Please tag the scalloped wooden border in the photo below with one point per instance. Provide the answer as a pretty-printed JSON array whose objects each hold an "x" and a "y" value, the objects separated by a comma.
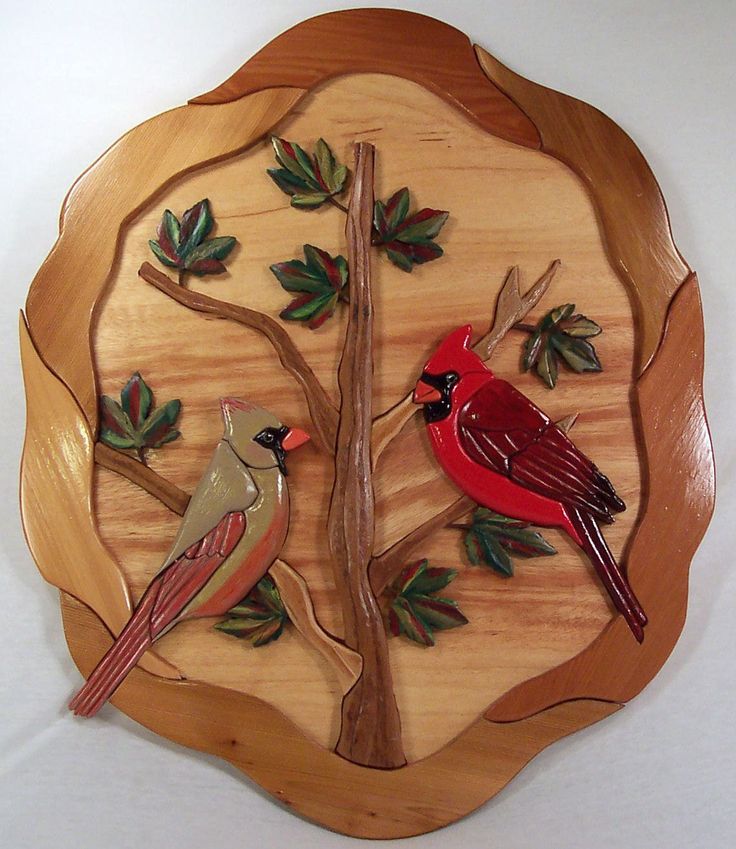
[{"x": 680, "y": 489}]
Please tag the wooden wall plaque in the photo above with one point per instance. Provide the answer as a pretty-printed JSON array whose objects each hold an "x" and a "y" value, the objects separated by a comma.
[{"x": 423, "y": 603}]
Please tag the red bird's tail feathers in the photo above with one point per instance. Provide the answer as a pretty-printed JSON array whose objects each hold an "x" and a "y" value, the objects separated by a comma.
[
  {"x": 122, "y": 656},
  {"x": 609, "y": 572}
]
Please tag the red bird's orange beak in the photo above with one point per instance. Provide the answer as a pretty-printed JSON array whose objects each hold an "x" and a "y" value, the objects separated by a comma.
[
  {"x": 294, "y": 438},
  {"x": 425, "y": 394}
]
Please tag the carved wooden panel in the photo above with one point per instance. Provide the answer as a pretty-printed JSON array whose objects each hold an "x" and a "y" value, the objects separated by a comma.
[{"x": 361, "y": 724}]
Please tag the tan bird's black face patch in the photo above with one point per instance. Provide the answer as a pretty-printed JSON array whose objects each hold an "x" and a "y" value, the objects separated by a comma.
[{"x": 272, "y": 438}]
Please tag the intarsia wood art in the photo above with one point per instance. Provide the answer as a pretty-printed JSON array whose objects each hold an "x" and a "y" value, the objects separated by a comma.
[{"x": 455, "y": 292}]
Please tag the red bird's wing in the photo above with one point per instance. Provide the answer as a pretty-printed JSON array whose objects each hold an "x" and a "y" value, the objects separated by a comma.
[
  {"x": 167, "y": 595},
  {"x": 501, "y": 429}
]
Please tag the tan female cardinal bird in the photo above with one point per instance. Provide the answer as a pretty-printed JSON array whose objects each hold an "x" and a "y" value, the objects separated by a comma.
[
  {"x": 501, "y": 450},
  {"x": 232, "y": 531}
]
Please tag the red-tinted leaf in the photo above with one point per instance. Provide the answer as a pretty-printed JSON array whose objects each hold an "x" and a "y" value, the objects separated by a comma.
[
  {"x": 425, "y": 224},
  {"x": 410, "y": 623},
  {"x": 206, "y": 266},
  {"x": 440, "y": 613},
  {"x": 136, "y": 399},
  {"x": 196, "y": 224},
  {"x": 413, "y": 253},
  {"x": 114, "y": 418},
  {"x": 407, "y": 577},
  {"x": 165, "y": 242}
]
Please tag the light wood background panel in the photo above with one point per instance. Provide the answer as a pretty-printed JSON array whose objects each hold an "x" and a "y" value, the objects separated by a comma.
[{"x": 508, "y": 205}]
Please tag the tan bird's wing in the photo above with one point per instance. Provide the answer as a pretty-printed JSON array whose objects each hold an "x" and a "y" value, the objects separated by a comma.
[{"x": 227, "y": 486}]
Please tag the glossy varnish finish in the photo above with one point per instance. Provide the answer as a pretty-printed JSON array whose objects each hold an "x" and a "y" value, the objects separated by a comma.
[{"x": 294, "y": 762}]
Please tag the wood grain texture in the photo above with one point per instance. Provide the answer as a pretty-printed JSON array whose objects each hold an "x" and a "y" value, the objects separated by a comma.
[
  {"x": 678, "y": 507},
  {"x": 346, "y": 663},
  {"x": 314, "y": 782},
  {"x": 527, "y": 210},
  {"x": 321, "y": 408},
  {"x": 370, "y": 731},
  {"x": 544, "y": 637},
  {"x": 56, "y": 504},
  {"x": 385, "y": 41},
  {"x": 104, "y": 198},
  {"x": 626, "y": 196}
]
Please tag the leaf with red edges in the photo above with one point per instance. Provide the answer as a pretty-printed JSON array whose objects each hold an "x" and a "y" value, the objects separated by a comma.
[
  {"x": 260, "y": 617},
  {"x": 309, "y": 181},
  {"x": 561, "y": 336},
  {"x": 134, "y": 423},
  {"x": 492, "y": 538},
  {"x": 415, "y": 610},
  {"x": 184, "y": 245},
  {"x": 319, "y": 280},
  {"x": 409, "y": 240}
]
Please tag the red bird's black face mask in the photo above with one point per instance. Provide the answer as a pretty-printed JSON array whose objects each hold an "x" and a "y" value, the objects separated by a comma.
[{"x": 444, "y": 383}]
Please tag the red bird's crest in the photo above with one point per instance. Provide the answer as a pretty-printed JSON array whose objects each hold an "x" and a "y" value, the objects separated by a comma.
[
  {"x": 506, "y": 454},
  {"x": 455, "y": 354}
]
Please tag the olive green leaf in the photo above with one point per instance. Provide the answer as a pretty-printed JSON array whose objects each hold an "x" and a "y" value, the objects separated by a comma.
[
  {"x": 184, "y": 245},
  {"x": 408, "y": 239},
  {"x": 561, "y": 335},
  {"x": 310, "y": 181},
  {"x": 134, "y": 423},
  {"x": 260, "y": 617},
  {"x": 415, "y": 610},
  {"x": 319, "y": 281},
  {"x": 492, "y": 538}
]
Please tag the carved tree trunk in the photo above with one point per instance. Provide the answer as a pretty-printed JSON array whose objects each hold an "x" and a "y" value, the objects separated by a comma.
[{"x": 371, "y": 729}]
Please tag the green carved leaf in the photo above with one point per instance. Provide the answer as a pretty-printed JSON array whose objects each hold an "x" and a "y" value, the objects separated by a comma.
[
  {"x": 196, "y": 224},
  {"x": 491, "y": 539},
  {"x": 184, "y": 245},
  {"x": 309, "y": 181},
  {"x": 134, "y": 423},
  {"x": 414, "y": 609},
  {"x": 260, "y": 617},
  {"x": 561, "y": 336},
  {"x": 319, "y": 279},
  {"x": 408, "y": 239},
  {"x": 158, "y": 427},
  {"x": 136, "y": 399}
]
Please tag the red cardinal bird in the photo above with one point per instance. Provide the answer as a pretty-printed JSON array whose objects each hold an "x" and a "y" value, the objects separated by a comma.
[
  {"x": 501, "y": 450},
  {"x": 234, "y": 528}
]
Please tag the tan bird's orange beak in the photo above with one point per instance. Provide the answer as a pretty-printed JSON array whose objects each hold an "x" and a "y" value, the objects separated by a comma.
[
  {"x": 425, "y": 394},
  {"x": 294, "y": 438}
]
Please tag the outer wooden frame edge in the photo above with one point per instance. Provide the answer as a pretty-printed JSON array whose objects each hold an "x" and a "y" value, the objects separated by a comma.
[
  {"x": 626, "y": 196},
  {"x": 386, "y": 41},
  {"x": 314, "y": 782},
  {"x": 61, "y": 336}
]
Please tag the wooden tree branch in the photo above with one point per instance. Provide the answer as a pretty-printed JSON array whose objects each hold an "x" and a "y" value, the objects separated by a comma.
[
  {"x": 294, "y": 591},
  {"x": 321, "y": 408},
  {"x": 387, "y": 566},
  {"x": 511, "y": 307},
  {"x": 346, "y": 663},
  {"x": 143, "y": 476},
  {"x": 370, "y": 732}
]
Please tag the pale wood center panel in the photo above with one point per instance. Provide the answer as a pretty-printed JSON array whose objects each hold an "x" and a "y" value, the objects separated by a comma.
[{"x": 508, "y": 205}]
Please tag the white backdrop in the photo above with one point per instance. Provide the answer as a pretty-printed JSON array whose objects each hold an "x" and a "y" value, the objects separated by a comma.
[{"x": 75, "y": 76}]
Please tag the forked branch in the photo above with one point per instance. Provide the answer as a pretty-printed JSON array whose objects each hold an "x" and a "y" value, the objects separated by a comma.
[
  {"x": 321, "y": 408},
  {"x": 511, "y": 307}
]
